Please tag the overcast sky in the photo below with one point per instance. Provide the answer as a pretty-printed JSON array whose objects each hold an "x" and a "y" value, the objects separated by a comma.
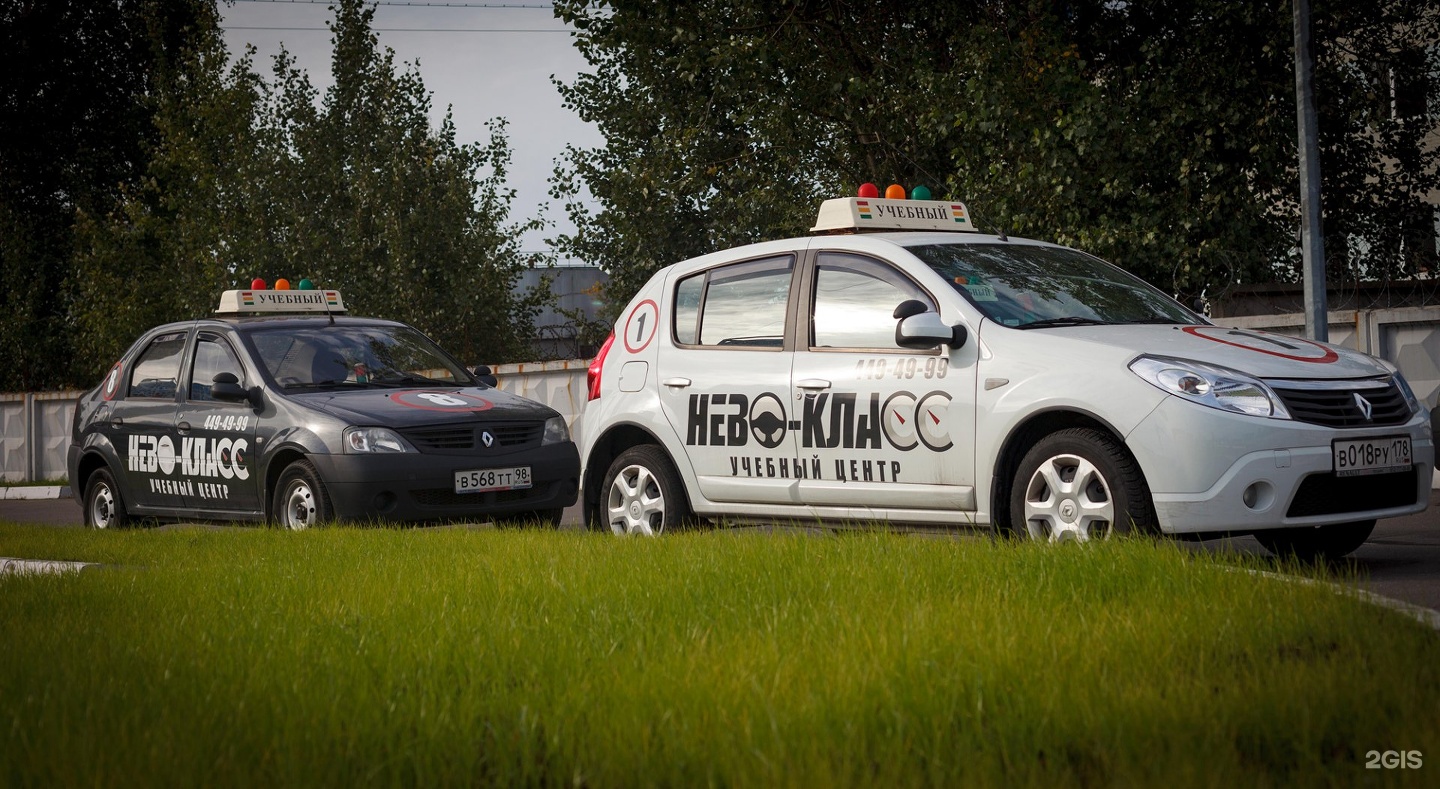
[{"x": 483, "y": 60}]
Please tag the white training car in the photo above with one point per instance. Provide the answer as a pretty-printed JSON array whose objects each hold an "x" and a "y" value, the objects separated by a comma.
[{"x": 935, "y": 375}]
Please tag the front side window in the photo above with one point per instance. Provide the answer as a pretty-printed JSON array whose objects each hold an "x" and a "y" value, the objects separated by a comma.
[
  {"x": 158, "y": 368},
  {"x": 318, "y": 357},
  {"x": 737, "y": 306},
  {"x": 855, "y": 300},
  {"x": 212, "y": 357},
  {"x": 1033, "y": 286}
]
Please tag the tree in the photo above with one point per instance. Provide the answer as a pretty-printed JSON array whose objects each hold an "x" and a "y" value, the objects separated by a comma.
[
  {"x": 1159, "y": 135},
  {"x": 354, "y": 190},
  {"x": 75, "y": 124},
  {"x": 409, "y": 222}
]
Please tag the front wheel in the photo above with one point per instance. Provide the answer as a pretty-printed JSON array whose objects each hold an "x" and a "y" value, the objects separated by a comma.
[
  {"x": 642, "y": 493},
  {"x": 103, "y": 507},
  {"x": 300, "y": 498},
  {"x": 1326, "y": 543},
  {"x": 1079, "y": 484}
]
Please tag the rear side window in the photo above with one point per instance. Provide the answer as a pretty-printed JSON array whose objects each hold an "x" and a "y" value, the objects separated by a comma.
[
  {"x": 158, "y": 368},
  {"x": 737, "y": 306}
]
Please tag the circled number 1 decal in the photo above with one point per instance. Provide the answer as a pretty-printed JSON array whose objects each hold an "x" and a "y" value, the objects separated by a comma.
[
  {"x": 1283, "y": 345},
  {"x": 441, "y": 401},
  {"x": 641, "y": 325}
]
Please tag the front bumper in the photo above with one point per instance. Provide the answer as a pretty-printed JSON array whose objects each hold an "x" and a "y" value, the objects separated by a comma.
[
  {"x": 1210, "y": 471},
  {"x": 420, "y": 487}
]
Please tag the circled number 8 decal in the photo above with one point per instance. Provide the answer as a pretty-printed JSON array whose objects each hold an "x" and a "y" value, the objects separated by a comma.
[
  {"x": 442, "y": 399},
  {"x": 641, "y": 325},
  {"x": 112, "y": 382}
]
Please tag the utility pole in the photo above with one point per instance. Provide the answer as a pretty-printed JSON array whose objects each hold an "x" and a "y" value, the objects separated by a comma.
[{"x": 1312, "y": 238}]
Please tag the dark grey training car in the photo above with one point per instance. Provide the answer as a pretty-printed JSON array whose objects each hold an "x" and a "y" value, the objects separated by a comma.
[{"x": 278, "y": 409}]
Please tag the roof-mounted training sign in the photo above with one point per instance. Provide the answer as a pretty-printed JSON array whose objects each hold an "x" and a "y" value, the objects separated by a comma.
[
  {"x": 281, "y": 300},
  {"x": 869, "y": 212}
]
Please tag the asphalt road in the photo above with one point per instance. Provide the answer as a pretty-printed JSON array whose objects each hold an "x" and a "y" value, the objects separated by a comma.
[{"x": 1401, "y": 560}]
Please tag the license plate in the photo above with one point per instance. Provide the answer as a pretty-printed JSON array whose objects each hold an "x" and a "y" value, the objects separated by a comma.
[
  {"x": 1361, "y": 456},
  {"x": 486, "y": 480}
]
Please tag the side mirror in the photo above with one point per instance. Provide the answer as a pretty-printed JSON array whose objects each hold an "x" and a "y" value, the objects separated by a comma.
[
  {"x": 925, "y": 330},
  {"x": 226, "y": 387},
  {"x": 909, "y": 307},
  {"x": 485, "y": 376}
]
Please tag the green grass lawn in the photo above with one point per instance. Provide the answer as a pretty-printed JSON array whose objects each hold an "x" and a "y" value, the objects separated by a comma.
[{"x": 255, "y": 657}]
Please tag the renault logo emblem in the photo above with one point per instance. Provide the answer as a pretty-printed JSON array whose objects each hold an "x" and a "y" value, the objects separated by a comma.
[
  {"x": 1364, "y": 405},
  {"x": 490, "y": 440}
]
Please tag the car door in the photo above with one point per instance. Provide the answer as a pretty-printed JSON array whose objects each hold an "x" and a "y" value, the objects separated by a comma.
[
  {"x": 142, "y": 426},
  {"x": 725, "y": 375},
  {"x": 892, "y": 428},
  {"x": 217, "y": 438}
]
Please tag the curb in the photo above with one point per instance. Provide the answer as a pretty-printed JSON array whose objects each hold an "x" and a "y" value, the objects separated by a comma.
[
  {"x": 1425, "y": 616},
  {"x": 10, "y": 566},
  {"x": 35, "y": 492}
]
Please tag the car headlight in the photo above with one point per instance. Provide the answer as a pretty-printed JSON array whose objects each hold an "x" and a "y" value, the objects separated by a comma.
[
  {"x": 555, "y": 431},
  {"x": 1404, "y": 387},
  {"x": 374, "y": 440},
  {"x": 1210, "y": 385}
]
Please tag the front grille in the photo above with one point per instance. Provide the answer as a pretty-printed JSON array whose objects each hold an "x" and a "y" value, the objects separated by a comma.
[
  {"x": 1327, "y": 494},
  {"x": 459, "y": 438},
  {"x": 1333, "y": 404}
]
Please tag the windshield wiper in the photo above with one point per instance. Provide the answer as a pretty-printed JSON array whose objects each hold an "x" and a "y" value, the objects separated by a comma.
[
  {"x": 325, "y": 384},
  {"x": 1071, "y": 320},
  {"x": 1158, "y": 321},
  {"x": 407, "y": 379}
]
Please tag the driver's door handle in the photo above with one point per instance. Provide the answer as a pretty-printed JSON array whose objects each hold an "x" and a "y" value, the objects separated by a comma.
[
  {"x": 183, "y": 427},
  {"x": 676, "y": 382},
  {"x": 812, "y": 383},
  {"x": 117, "y": 422}
]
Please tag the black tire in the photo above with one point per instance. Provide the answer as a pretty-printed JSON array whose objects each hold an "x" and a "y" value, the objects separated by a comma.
[
  {"x": 545, "y": 519},
  {"x": 642, "y": 494},
  {"x": 1079, "y": 484},
  {"x": 1322, "y": 543},
  {"x": 300, "y": 500},
  {"x": 104, "y": 509}
]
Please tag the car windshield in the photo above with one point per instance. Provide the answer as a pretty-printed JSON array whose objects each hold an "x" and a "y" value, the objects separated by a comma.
[
  {"x": 312, "y": 357},
  {"x": 1030, "y": 287}
]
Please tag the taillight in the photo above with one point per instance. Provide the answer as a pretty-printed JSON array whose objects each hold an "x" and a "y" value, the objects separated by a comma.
[{"x": 592, "y": 375}]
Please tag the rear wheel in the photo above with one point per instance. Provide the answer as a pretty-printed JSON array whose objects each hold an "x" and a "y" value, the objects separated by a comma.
[
  {"x": 300, "y": 498},
  {"x": 1326, "y": 543},
  {"x": 103, "y": 507},
  {"x": 1078, "y": 485},
  {"x": 642, "y": 493}
]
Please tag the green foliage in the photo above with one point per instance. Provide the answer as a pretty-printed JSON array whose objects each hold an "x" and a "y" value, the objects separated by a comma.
[
  {"x": 144, "y": 172},
  {"x": 1158, "y": 135},
  {"x": 353, "y": 189},
  {"x": 74, "y": 126}
]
